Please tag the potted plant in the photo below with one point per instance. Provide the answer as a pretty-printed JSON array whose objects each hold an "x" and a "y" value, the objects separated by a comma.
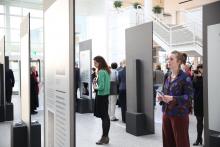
[
  {"x": 117, "y": 4},
  {"x": 157, "y": 9},
  {"x": 136, "y": 5}
]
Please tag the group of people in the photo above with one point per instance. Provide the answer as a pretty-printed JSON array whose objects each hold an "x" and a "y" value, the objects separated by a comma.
[
  {"x": 34, "y": 88},
  {"x": 181, "y": 87},
  {"x": 108, "y": 84}
]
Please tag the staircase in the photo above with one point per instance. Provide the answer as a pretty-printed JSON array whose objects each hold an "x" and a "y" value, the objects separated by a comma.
[{"x": 186, "y": 38}]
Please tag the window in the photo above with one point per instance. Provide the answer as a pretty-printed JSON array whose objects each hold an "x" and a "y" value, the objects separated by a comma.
[
  {"x": 2, "y": 9},
  {"x": 2, "y": 21},
  {"x": 14, "y": 10},
  {"x": 15, "y": 22},
  {"x": 2, "y": 33},
  {"x": 15, "y": 35},
  {"x": 34, "y": 13}
]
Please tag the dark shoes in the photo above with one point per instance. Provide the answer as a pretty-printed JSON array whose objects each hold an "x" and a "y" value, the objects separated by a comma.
[
  {"x": 115, "y": 119},
  {"x": 33, "y": 112},
  {"x": 103, "y": 140},
  {"x": 198, "y": 141}
]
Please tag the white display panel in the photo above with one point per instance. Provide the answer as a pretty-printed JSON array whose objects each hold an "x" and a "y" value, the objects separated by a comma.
[
  {"x": 25, "y": 72},
  {"x": 58, "y": 51},
  {"x": 85, "y": 74},
  {"x": 85, "y": 55},
  {"x": 213, "y": 51},
  {"x": 2, "y": 73},
  {"x": 2, "y": 50}
]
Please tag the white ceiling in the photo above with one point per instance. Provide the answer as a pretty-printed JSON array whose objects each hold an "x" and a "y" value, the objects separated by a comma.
[
  {"x": 33, "y": 4},
  {"x": 90, "y": 7}
]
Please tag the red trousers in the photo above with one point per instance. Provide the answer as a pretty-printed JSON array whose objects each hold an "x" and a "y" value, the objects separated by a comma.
[{"x": 175, "y": 131}]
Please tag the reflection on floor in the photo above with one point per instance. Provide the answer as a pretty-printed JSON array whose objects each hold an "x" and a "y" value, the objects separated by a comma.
[{"x": 88, "y": 131}]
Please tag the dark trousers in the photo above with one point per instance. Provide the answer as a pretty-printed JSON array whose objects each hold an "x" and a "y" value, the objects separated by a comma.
[
  {"x": 122, "y": 100},
  {"x": 154, "y": 94},
  {"x": 175, "y": 131},
  {"x": 105, "y": 125},
  {"x": 8, "y": 95},
  {"x": 199, "y": 127}
]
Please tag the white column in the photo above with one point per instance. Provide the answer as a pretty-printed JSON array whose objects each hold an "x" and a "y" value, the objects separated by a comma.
[{"x": 147, "y": 10}]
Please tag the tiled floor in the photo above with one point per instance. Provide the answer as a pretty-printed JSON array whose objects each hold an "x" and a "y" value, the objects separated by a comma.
[{"x": 88, "y": 130}]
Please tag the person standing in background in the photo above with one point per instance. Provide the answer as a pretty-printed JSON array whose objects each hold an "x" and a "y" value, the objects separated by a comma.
[
  {"x": 176, "y": 102},
  {"x": 183, "y": 64},
  {"x": 34, "y": 90},
  {"x": 76, "y": 80},
  {"x": 167, "y": 72},
  {"x": 113, "y": 92},
  {"x": 102, "y": 85},
  {"x": 120, "y": 66},
  {"x": 122, "y": 91},
  {"x": 158, "y": 80},
  {"x": 198, "y": 102},
  {"x": 93, "y": 74},
  {"x": 9, "y": 84}
]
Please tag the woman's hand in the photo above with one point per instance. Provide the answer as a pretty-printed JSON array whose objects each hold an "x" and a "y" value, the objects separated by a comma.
[
  {"x": 164, "y": 98},
  {"x": 159, "y": 98},
  {"x": 167, "y": 98},
  {"x": 94, "y": 81}
]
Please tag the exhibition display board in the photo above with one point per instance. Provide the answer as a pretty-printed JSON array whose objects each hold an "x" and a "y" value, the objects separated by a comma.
[
  {"x": 2, "y": 73},
  {"x": 59, "y": 63},
  {"x": 211, "y": 102},
  {"x": 25, "y": 73},
  {"x": 139, "y": 79},
  {"x": 213, "y": 44},
  {"x": 85, "y": 55}
]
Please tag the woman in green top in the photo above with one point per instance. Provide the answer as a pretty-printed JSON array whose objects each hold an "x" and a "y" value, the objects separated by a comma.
[{"x": 102, "y": 86}]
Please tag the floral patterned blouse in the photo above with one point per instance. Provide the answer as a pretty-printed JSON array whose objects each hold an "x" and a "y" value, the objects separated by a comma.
[{"x": 181, "y": 89}]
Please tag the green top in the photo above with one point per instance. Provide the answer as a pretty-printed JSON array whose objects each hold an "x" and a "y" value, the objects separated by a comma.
[{"x": 103, "y": 82}]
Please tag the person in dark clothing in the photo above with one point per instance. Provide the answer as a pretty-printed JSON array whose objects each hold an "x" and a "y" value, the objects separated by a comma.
[
  {"x": 122, "y": 92},
  {"x": 198, "y": 102},
  {"x": 9, "y": 84},
  {"x": 76, "y": 81},
  {"x": 158, "y": 80},
  {"x": 93, "y": 75},
  {"x": 34, "y": 90},
  {"x": 168, "y": 72}
]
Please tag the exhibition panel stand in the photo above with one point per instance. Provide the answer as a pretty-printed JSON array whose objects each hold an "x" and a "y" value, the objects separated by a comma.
[
  {"x": 211, "y": 43},
  {"x": 139, "y": 80},
  {"x": 85, "y": 101}
]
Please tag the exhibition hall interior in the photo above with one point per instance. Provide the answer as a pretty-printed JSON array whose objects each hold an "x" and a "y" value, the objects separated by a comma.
[{"x": 117, "y": 73}]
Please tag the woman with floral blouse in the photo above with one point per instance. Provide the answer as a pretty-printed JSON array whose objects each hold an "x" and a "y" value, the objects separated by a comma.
[{"x": 176, "y": 104}]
